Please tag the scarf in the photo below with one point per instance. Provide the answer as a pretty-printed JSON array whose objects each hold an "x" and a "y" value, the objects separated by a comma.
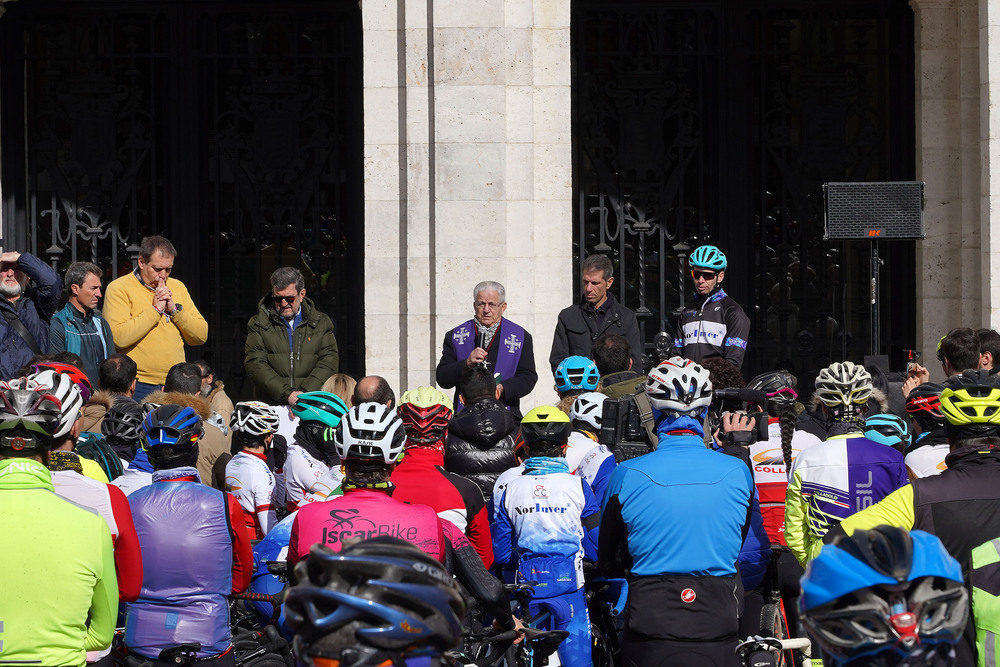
[
  {"x": 487, "y": 333},
  {"x": 544, "y": 465}
]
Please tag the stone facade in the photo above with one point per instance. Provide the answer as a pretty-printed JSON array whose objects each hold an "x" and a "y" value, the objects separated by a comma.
[{"x": 468, "y": 174}]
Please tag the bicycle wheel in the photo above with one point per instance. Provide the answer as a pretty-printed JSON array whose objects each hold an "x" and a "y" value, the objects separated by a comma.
[
  {"x": 773, "y": 624},
  {"x": 600, "y": 651}
]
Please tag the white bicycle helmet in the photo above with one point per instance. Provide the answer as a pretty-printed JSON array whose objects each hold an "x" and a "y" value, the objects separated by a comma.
[
  {"x": 254, "y": 418},
  {"x": 679, "y": 386},
  {"x": 588, "y": 408},
  {"x": 70, "y": 399},
  {"x": 843, "y": 384},
  {"x": 371, "y": 431}
]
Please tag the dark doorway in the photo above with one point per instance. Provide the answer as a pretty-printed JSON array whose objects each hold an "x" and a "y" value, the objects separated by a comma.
[
  {"x": 718, "y": 122},
  {"x": 234, "y": 129}
]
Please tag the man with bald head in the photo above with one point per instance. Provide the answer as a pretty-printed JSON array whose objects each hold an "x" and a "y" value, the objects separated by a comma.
[
  {"x": 494, "y": 342},
  {"x": 373, "y": 389}
]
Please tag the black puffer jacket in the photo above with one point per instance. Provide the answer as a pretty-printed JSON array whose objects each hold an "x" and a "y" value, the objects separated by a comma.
[{"x": 480, "y": 443}]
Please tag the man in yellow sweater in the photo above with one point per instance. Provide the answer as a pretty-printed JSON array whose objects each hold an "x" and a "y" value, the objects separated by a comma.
[{"x": 152, "y": 315}]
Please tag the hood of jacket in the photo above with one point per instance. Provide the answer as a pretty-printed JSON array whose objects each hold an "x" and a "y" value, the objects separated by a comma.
[
  {"x": 104, "y": 399},
  {"x": 267, "y": 315},
  {"x": 197, "y": 403},
  {"x": 483, "y": 423},
  {"x": 24, "y": 474}
]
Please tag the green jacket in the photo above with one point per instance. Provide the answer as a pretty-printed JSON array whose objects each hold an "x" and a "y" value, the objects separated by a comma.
[
  {"x": 275, "y": 370},
  {"x": 58, "y": 592}
]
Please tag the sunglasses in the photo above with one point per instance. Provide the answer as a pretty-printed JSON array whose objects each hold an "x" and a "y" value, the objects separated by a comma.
[
  {"x": 704, "y": 275},
  {"x": 284, "y": 299}
]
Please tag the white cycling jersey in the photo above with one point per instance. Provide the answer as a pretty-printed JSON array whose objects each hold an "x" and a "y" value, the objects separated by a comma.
[
  {"x": 927, "y": 460},
  {"x": 307, "y": 480},
  {"x": 585, "y": 456},
  {"x": 252, "y": 482}
]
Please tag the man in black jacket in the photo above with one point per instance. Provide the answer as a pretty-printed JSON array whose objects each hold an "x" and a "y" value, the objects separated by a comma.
[
  {"x": 598, "y": 313},
  {"x": 493, "y": 341},
  {"x": 480, "y": 442}
]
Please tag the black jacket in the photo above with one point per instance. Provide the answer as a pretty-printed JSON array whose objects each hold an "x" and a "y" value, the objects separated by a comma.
[
  {"x": 480, "y": 443},
  {"x": 450, "y": 369},
  {"x": 577, "y": 329}
]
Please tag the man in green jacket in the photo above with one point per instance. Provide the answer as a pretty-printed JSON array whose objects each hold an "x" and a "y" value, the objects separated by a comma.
[
  {"x": 290, "y": 345},
  {"x": 58, "y": 592}
]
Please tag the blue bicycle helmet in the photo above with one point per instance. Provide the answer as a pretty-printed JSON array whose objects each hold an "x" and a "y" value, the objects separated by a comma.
[
  {"x": 708, "y": 257},
  {"x": 577, "y": 373},
  {"x": 170, "y": 436},
  {"x": 374, "y": 600},
  {"x": 884, "y": 596},
  {"x": 888, "y": 430}
]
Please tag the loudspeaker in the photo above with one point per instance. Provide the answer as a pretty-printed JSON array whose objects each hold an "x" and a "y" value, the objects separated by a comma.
[{"x": 879, "y": 210}]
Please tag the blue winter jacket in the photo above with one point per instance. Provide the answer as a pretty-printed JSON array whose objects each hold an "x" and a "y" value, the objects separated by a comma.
[{"x": 34, "y": 309}]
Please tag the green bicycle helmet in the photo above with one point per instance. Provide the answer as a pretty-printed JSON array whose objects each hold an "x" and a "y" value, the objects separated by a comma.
[
  {"x": 320, "y": 406},
  {"x": 708, "y": 257}
]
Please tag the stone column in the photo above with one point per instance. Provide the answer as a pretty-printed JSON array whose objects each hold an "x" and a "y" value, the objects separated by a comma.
[
  {"x": 468, "y": 173},
  {"x": 987, "y": 99},
  {"x": 947, "y": 109}
]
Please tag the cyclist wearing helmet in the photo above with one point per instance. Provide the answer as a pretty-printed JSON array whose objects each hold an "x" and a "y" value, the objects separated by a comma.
[
  {"x": 79, "y": 327},
  {"x": 122, "y": 428},
  {"x": 597, "y": 313},
  {"x": 575, "y": 375},
  {"x": 191, "y": 555},
  {"x": 378, "y": 602},
  {"x": 421, "y": 478},
  {"x": 930, "y": 444},
  {"x": 885, "y": 597},
  {"x": 58, "y": 592},
  {"x": 248, "y": 476},
  {"x": 585, "y": 457},
  {"x": 546, "y": 526},
  {"x": 312, "y": 467},
  {"x": 674, "y": 522},
  {"x": 961, "y": 505},
  {"x": 369, "y": 441},
  {"x": 68, "y": 384},
  {"x": 716, "y": 325},
  {"x": 24, "y": 327},
  {"x": 491, "y": 340},
  {"x": 845, "y": 473}
]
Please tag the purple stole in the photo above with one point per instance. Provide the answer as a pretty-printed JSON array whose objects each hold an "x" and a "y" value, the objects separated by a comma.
[{"x": 510, "y": 338}]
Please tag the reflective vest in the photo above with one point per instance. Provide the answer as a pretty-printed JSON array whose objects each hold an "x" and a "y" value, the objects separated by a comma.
[{"x": 985, "y": 584}]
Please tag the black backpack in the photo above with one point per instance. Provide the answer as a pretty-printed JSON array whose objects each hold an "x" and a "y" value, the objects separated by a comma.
[{"x": 94, "y": 447}]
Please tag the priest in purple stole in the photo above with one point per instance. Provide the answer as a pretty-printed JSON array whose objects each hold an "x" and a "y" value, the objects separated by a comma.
[{"x": 503, "y": 347}]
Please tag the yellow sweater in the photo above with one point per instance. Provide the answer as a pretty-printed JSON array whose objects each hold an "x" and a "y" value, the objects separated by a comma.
[{"x": 155, "y": 342}]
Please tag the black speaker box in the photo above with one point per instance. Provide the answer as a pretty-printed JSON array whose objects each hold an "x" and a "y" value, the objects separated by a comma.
[{"x": 875, "y": 210}]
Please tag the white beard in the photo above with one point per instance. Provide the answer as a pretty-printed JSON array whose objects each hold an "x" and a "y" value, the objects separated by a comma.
[{"x": 11, "y": 292}]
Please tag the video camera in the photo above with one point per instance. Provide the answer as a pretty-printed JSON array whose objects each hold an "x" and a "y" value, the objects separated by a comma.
[
  {"x": 623, "y": 430},
  {"x": 749, "y": 402}
]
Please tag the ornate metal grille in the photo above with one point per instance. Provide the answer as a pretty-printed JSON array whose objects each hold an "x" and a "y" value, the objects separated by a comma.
[
  {"x": 718, "y": 122},
  {"x": 233, "y": 129}
]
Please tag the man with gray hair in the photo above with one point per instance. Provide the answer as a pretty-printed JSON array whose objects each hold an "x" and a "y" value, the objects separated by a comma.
[
  {"x": 79, "y": 327},
  {"x": 491, "y": 341},
  {"x": 291, "y": 347},
  {"x": 24, "y": 330}
]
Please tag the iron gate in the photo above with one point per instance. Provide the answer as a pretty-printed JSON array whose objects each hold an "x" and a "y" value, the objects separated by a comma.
[
  {"x": 718, "y": 122},
  {"x": 234, "y": 129}
]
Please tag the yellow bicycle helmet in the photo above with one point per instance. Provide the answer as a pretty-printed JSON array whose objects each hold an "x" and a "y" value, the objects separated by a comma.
[{"x": 546, "y": 423}]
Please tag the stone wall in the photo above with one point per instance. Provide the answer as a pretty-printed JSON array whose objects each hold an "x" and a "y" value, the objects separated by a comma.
[{"x": 468, "y": 173}]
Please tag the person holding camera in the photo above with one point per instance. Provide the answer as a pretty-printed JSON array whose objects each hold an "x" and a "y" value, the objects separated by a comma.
[{"x": 673, "y": 523}]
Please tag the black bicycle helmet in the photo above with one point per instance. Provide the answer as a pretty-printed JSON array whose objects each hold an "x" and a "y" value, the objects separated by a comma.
[
  {"x": 375, "y": 600},
  {"x": 29, "y": 416},
  {"x": 123, "y": 422},
  {"x": 923, "y": 404},
  {"x": 779, "y": 386},
  {"x": 170, "y": 436}
]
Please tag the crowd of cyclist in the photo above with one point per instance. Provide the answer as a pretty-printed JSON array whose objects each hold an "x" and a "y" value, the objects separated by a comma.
[{"x": 886, "y": 520}]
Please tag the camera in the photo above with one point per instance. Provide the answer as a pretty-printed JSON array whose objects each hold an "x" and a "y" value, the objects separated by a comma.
[
  {"x": 622, "y": 429},
  {"x": 748, "y": 402}
]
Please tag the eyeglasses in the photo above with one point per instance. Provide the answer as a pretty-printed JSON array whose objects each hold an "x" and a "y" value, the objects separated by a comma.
[
  {"x": 704, "y": 275},
  {"x": 480, "y": 305},
  {"x": 284, "y": 299}
]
